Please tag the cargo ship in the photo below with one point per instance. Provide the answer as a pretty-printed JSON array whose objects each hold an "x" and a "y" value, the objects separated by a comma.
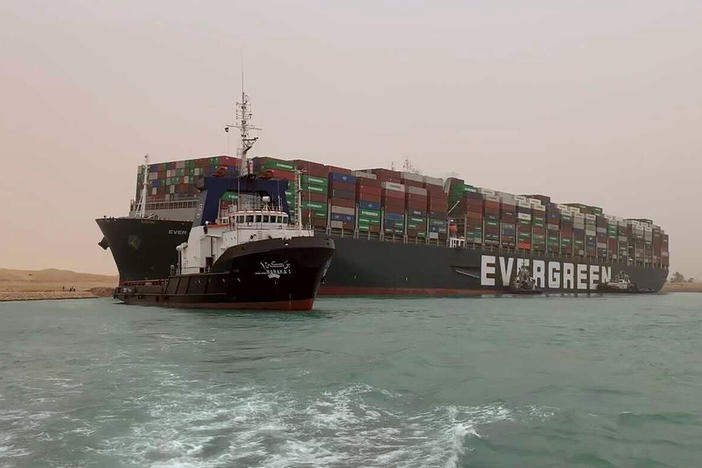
[{"x": 396, "y": 231}]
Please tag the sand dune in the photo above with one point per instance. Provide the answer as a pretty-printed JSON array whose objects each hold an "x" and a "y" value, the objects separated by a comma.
[{"x": 52, "y": 284}]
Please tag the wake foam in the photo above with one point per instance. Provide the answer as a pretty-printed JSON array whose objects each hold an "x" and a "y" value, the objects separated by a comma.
[{"x": 356, "y": 425}]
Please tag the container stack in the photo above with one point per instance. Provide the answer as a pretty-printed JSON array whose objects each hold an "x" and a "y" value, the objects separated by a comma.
[
  {"x": 474, "y": 216},
  {"x": 665, "y": 252},
  {"x": 590, "y": 235},
  {"x": 623, "y": 238},
  {"x": 523, "y": 223},
  {"x": 392, "y": 195},
  {"x": 416, "y": 201},
  {"x": 578, "y": 232},
  {"x": 538, "y": 225},
  {"x": 656, "y": 245},
  {"x": 508, "y": 220},
  {"x": 369, "y": 202},
  {"x": 648, "y": 243},
  {"x": 491, "y": 233},
  {"x": 612, "y": 237},
  {"x": 601, "y": 224},
  {"x": 177, "y": 180},
  {"x": 342, "y": 198},
  {"x": 274, "y": 168},
  {"x": 553, "y": 226},
  {"x": 226, "y": 201},
  {"x": 437, "y": 208},
  {"x": 314, "y": 184}
]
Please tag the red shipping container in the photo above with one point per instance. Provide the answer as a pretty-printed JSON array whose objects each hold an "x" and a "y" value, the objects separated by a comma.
[
  {"x": 434, "y": 190},
  {"x": 366, "y": 190},
  {"x": 342, "y": 186},
  {"x": 317, "y": 197},
  {"x": 393, "y": 194},
  {"x": 312, "y": 168},
  {"x": 369, "y": 198},
  {"x": 278, "y": 174},
  {"x": 343, "y": 202},
  {"x": 524, "y": 245},
  {"x": 361, "y": 181},
  {"x": 340, "y": 170},
  {"x": 394, "y": 207},
  {"x": 412, "y": 183}
]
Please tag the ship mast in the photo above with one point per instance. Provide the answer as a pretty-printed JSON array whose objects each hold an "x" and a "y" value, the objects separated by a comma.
[
  {"x": 243, "y": 123},
  {"x": 141, "y": 207}
]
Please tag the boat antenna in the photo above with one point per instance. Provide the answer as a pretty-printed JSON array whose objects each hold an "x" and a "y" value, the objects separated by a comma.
[
  {"x": 141, "y": 206},
  {"x": 298, "y": 198},
  {"x": 243, "y": 123}
]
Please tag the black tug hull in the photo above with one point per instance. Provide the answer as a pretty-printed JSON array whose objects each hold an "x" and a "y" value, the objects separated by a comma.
[{"x": 273, "y": 274}]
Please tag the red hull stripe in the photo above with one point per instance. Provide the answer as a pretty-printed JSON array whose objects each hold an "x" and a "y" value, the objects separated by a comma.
[
  {"x": 299, "y": 304},
  {"x": 369, "y": 291}
]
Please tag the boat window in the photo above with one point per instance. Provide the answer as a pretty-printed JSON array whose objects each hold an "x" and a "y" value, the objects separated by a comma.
[
  {"x": 240, "y": 219},
  {"x": 285, "y": 219},
  {"x": 280, "y": 219},
  {"x": 265, "y": 218},
  {"x": 249, "y": 218},
  {"x": 258, "y": 218}
]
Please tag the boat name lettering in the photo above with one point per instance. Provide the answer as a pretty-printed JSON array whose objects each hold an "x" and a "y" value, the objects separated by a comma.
[
  {"x": 275, "y": 269},
  {"x": 178, "y": 232},
  {"x": 548, "y": 274}
]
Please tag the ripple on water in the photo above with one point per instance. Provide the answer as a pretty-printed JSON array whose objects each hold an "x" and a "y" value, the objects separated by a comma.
[{"x": 258, "y": 427}]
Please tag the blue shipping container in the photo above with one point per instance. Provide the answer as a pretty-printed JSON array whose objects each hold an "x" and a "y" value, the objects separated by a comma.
[
  {"x": 343, "y": 217},
  {"x": 367, "y": 205},
  {"x": 346, "y": 178},
  {"x": 394, "y": 216}
]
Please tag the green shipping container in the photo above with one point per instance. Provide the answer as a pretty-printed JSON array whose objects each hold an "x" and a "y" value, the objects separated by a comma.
[{"x": 271, "y": 163}]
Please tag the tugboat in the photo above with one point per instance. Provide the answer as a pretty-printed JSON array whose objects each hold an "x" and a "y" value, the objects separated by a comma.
[
  {"x": 621, "y": 284},
  {"x": 248, "y": 259},
  {"x": 524, "y": 283}
]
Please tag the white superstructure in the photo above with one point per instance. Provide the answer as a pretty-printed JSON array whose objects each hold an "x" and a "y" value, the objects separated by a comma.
[{"x": 207, "y": 243}]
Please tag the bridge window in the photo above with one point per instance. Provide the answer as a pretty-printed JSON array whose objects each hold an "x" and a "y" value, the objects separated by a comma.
[
  {"x": 258, "y": 218},
  {"x": 240, "y": 219},
  {"x": 249, "y": 218},
  {"x": 266, "y": 218}
]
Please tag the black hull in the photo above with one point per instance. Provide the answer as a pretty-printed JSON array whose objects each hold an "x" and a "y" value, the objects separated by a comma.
[
  {"x": 269, "y": 274},
  {"x": 372, "y": 267},
  {"x": 143, "y": 248}
]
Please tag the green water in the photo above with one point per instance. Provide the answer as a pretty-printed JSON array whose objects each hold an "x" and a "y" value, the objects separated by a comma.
[{"x": 530, "y": 381}]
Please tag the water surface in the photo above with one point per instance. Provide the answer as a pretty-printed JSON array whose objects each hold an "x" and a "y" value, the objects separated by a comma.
[{"x": 527, "y": 381}]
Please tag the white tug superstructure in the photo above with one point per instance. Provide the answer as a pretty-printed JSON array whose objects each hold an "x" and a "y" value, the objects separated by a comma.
[{"x": 239, "y": 226}]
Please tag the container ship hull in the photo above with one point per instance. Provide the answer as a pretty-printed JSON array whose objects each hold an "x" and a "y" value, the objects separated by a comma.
[
  {"x": 371, "y": 267},
  {"x": 144, "y": 250}
]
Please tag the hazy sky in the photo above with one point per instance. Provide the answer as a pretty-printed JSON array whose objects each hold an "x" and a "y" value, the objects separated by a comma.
[{"x": 597, "y": 102}]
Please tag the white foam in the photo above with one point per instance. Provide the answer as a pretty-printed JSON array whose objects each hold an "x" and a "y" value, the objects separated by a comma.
[{"x": 253, "y": 426}]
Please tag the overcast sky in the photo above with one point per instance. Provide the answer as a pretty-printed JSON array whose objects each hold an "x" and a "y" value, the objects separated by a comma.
[{"x": 597, "y": 102}]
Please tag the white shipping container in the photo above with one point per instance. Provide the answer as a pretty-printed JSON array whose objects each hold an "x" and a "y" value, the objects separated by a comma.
[
  {"x": 521, "y": 198},
  {"x": 337, "y": 224},
  {"x": 153, "y": 175},
  {"x": 412, "y": 176},
  {"x": 180, "y": 164},
  {"x": 485, "y": 191},
  {"x": 523, "y": 204},
  {"x": 591, "y": 217},
  {"x": 343, "y": 210},
  {"x": 433, "y": 181},
  {"x": 172, "y": 189},
  {"x": 393, "y": 186},
  {"x": 524, "y": 216},
  {"x": 541, "y": 209},
  {"x": 416, "y": 190},
  {"x": 365, "y": 175}
]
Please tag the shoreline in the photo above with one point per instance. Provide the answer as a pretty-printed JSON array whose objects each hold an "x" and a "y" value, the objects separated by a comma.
[{"x": 53, "y": 295}]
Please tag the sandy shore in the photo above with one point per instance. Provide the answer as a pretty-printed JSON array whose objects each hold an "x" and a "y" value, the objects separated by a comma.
[
  {"x": 682, "y": 287},
  {"x": 26, "y": 285}
]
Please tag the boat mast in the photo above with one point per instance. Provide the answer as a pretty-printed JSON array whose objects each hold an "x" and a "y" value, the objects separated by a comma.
[
  {"x": 141, "y": 207},
  {"x": 243, "y": 123}
]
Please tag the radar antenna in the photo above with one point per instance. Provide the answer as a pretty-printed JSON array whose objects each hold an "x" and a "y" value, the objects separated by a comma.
[{"x": 243, "y": 123}]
